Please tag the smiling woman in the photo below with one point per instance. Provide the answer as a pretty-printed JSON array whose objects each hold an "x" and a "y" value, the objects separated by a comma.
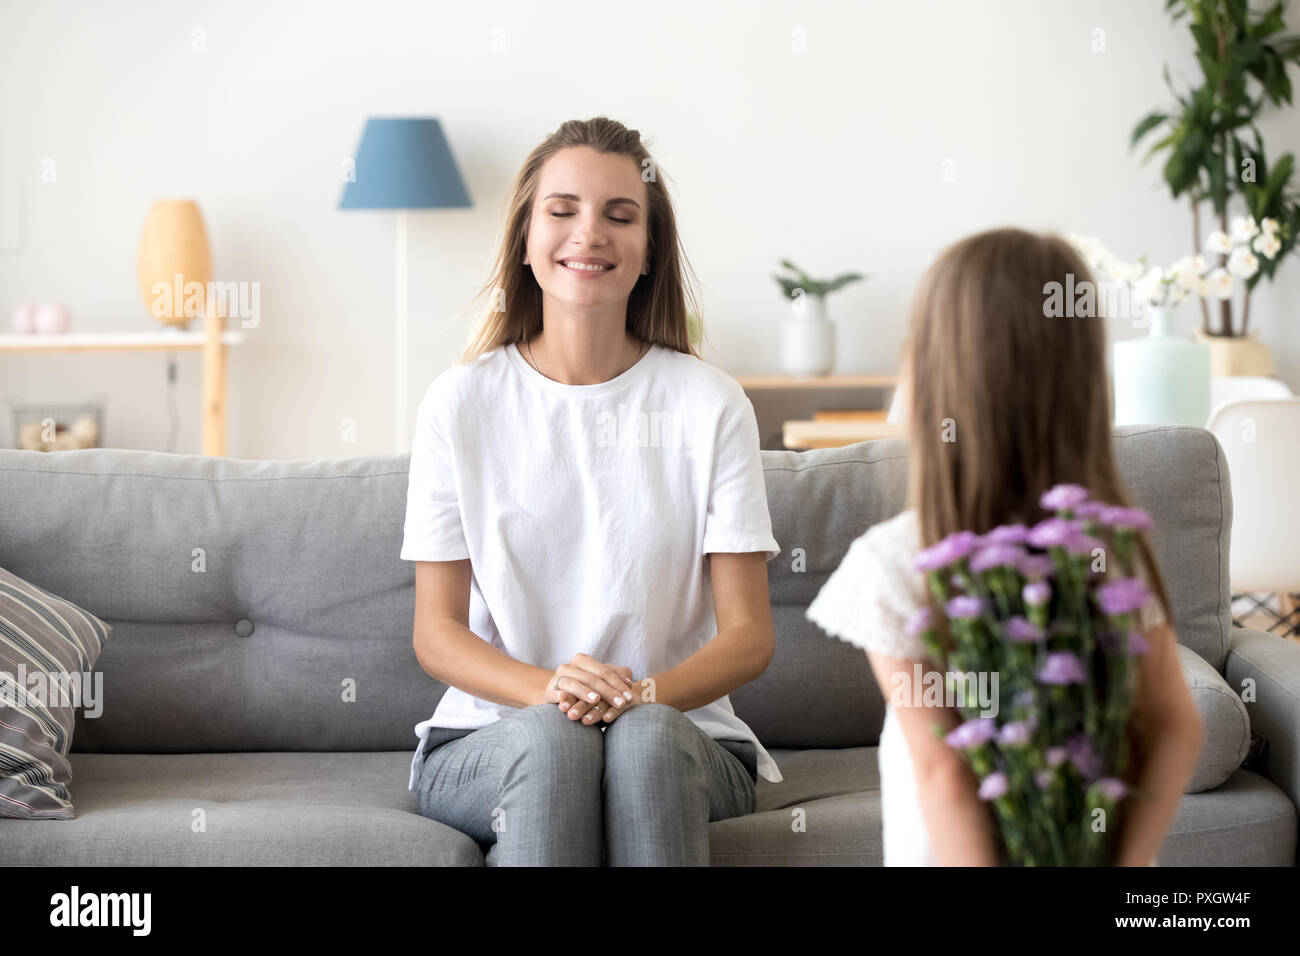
[
  {"x": 590, "y": 193},
  {"x": 590, "y": 602}
]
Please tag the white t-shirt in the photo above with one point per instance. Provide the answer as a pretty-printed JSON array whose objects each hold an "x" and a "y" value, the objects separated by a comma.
[{"x": 586, "y": 512}]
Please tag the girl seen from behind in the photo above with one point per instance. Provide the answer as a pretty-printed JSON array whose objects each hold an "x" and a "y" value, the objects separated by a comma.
[{"x": 1005, "y": 403}]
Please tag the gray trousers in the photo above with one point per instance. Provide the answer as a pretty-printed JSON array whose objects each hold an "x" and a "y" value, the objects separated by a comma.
[{"x": 537, "y": 789}]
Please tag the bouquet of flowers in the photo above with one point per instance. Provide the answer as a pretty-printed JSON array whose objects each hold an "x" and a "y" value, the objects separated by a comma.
[{"x": 1039, "y": 609}]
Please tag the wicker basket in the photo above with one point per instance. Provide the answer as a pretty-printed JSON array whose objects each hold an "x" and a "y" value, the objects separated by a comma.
[{"x": 58, "y": 427}]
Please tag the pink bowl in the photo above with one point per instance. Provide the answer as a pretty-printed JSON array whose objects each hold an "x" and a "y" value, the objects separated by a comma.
[
  {"x": 53, "y": 319},
  {"x": 25, "y": 319}
]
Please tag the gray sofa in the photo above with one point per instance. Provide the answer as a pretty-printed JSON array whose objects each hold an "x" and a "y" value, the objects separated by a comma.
[{"x": 246, "y": 596}]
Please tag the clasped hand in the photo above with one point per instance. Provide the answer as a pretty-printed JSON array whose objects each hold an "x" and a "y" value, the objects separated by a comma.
[{"x": 591, "y": 691}]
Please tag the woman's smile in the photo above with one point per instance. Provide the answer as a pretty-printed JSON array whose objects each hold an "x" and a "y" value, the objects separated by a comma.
[{"x": 585, "y": 268}]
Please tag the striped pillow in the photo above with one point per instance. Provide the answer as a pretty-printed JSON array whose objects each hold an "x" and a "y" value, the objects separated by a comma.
[{"x": 47, "y": 647}]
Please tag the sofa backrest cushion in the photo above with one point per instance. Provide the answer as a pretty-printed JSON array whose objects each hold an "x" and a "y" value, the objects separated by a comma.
[
  {"x": 255, "y": 605},
  {"x": 262, "y": 605}
]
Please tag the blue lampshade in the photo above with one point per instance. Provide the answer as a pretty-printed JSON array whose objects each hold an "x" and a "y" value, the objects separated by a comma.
[{"x": 404, "y": 163}]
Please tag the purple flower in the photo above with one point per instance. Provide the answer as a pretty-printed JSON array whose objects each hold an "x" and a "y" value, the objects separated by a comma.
[
  {"x": 1122, "y": 595},
  {"x": 1056, "y": 755},
  {"x": 1044, "y": 779},
  {"x": 1036, "y": 593},
  {"x": 1117, "y": 517},
  {"x": 1081, "y": 755},
  {"x": 1036, "y": 566},
  {"x": 1052, "y": 532},
  {"x": 1089, "y": 509},
  {"x": 1088, "y": 765},
  {"x": 1083, "y": 544},
  {"x": 1062, "y": 667},
  {"x": 1114, "y": 643},
  {"x": 1016, "y": 733},
  {"x": 993, "y": 786},
  {"x": 918, "y": 622},
  {"x": 951, "y": 549},
  {"x": 1061, "y": 497},
  {"x": 996, "y": 556},
  {"x": 1021, "y": 631},
  {"x": 972, "y": 733},
  {"x": 965, "y": 606},
  {"x": 1024, "y": 698},
  {"x": 1006, "y": 534},
  {"x": 1112, "y": 788}
]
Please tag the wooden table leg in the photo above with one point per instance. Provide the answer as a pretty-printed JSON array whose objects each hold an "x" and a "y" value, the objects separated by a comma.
[{"x": 214, "y": 386}]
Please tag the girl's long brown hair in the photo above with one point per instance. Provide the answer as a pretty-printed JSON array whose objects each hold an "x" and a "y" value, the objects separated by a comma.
[
  {"x": 1021, "y": 397},
  {"x": 659, "y": 302}
]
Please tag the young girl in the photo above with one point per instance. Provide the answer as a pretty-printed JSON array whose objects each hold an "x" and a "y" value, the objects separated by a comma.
[
  {"x": 589, "y": 520},
  {"x": 1004, "y": 403}
]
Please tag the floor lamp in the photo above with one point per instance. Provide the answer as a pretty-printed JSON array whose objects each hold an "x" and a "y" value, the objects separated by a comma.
[{"x": 403, "y": 163}]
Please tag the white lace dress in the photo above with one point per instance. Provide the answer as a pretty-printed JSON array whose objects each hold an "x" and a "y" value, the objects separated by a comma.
[{"x": 866, "y": 602}]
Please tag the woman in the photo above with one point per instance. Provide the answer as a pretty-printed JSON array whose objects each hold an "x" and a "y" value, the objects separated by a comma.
[{"x": 587, "y": 512}]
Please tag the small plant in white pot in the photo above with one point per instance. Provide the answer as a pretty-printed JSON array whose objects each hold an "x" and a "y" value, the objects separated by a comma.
[{"x": 808, "y": 336}]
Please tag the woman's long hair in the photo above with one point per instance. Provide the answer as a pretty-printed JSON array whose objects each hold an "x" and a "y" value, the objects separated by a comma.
[
  {"x": 1006, "y": 401},
  {"x": 658, "y": 304}
]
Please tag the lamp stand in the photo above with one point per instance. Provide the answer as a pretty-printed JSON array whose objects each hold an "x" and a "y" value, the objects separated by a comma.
[{"x": 403, "y": 434}]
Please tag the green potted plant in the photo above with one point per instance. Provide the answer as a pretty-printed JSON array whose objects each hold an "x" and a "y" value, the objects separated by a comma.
[
  {"x": 1211, "y": 158},
  {"x": 807, "y": 336}
]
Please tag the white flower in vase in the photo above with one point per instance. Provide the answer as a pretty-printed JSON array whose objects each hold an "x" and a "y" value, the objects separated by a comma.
[
  {"x": 1148, "y": 288},
  {"x": 1244, "y": 229},
  {"x": 1268, "y": 245},
  {"x": 1219, "y": 284},
  {"x": 1219, "y": 241},
  {"x": 1187, "y": 272},
  {"x": 1243, "y": 263},
  {"x": 1270, "y": 226},
  {"x": 1130, "y": 271}
]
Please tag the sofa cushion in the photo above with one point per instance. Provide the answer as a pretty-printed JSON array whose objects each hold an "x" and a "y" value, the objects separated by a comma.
[
  {"x": 348, "y": 809},
  {"x": 47, "y": 649},
  {"x": 1245, "y": 821},
  {"x": 271, "y": 592},
  {"x": 240, "y": 809},
  {"x": 1223, "y": 715}
]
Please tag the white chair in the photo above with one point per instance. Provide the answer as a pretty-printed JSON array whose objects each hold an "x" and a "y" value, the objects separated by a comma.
[
  {"x": 1260, "y": 438},
  {"x": 898, "y": 402},
  {"x": 1232, "y": 387}
]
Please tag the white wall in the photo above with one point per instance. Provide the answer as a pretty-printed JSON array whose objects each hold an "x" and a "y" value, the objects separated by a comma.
[{"x": 831, "y": 157}]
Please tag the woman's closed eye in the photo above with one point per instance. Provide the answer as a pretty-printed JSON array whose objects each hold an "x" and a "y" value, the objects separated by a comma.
[{"x": 561, "y": 215}]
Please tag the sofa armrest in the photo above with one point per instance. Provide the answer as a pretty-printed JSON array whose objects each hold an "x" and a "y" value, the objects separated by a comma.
[{"x": 1273, "y": 664}]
